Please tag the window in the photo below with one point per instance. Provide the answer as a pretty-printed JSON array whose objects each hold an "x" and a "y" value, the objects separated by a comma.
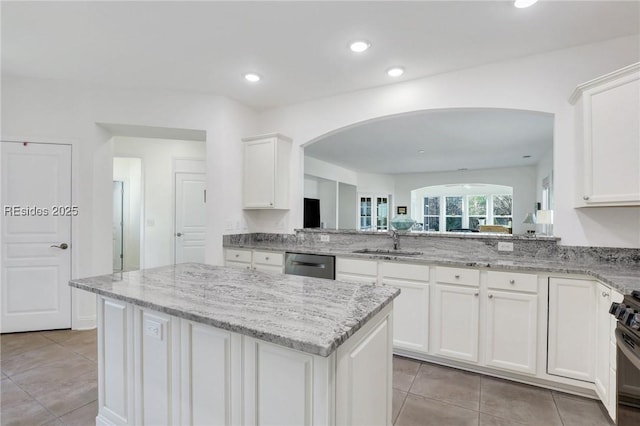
[
  {"x": 453, "y": 217},
  {"x": 477, "y": 210},
  {"x": 365, "y": 213},
  {"x": 502, "y": 210},
  {"x": 431, "y": 213},
  {"x": 382, "y": 213}
]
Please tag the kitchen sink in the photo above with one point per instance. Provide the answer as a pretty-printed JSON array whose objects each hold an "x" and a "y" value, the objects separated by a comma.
[{"x": 388, "y": 252}]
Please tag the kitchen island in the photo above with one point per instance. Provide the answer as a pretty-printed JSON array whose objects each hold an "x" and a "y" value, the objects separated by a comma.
[{"x": 199, "y": 344}]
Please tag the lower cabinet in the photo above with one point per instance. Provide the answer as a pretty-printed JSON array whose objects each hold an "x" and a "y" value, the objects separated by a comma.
[
  {"x": 455, "y": 322},
  {"x": 572, "y": 328},
  {"x": 156, "y": 369},
  {"x": 411, "y": 307},
  {"x": 265, "y": 261},
  {"x": 357, "y": 270},
  {"x": 511, "y": 324}
]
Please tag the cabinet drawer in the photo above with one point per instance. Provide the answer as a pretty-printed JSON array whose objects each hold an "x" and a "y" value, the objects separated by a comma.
[
  {"x": 268, "y": 258},
  {"x": 405, "y": 271},
  {"x": 238, "y": 255},
  {"x": 470, "y": 277},
  {"x": 513, "y": 281},
  {"x": 355, "y": 266}
]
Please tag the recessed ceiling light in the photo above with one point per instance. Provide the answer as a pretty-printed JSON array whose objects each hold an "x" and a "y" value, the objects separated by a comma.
[
  {"x": 252, "y": 77},
  {"x": 521, "y": 4},
  {"x": 421, "y": 151},
  {"x": 395, "y": 71},
  {"x": 359, "y": 46}
]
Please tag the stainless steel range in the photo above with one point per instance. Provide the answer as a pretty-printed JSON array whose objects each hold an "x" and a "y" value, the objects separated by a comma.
[{"x": 628, "y": 359}]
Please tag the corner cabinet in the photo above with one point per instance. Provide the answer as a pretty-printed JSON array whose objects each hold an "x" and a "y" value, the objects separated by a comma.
[
  {"x": 266, "y": 172},
  {"x": 608, "y": 139}
]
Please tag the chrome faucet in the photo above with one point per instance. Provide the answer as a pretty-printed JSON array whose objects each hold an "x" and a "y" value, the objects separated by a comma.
[{"x": 396, "y": 239}]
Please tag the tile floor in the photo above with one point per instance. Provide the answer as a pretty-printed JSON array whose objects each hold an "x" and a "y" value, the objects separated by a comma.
[{"x": 50, "y": 378}]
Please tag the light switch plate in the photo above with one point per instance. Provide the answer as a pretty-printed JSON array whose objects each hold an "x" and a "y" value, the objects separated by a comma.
[
  {"x": 505, "y": 246},
  {"x": 324, "y": 238}
]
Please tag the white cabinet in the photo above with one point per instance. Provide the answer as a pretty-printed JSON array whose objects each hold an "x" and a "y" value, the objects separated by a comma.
[
  {"x": 608, "y": 132},
  {"x": 267, "y": 261},
  {"x": 511, "y": 321},
  {"x": 605, "y": 368},
  {"x": 411, "y": 307},
  {"x": 156, "y": 369},
  {"x": 572, "y": 325},
  {"x": 266, "y": 172},
  {"x": 456, "y": 313},
  {"x": 357, "y": 270},
  {"x": 237, "y": 258}
]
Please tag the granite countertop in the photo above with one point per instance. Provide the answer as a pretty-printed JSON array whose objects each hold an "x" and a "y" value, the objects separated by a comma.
[
  {"x": 308, "y": 314},
  {"x": 623, "y": 278}
]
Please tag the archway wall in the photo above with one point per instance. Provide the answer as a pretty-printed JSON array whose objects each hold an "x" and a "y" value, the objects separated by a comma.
[{"x": 537, "y": 83}]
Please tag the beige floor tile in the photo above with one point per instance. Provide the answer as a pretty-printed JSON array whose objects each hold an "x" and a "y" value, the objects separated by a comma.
[
  {"x": 518, "y": 402},
  {"x": 76, "y": 392},
  {"x": 398, "y": 401},
  {"x": 577, "y": 411},
  {"x": 13, "y": 344},
  {"x": 404, "y": 371},
  {"x": 18, "y": 408},
  {"x": 58, "y": 336},
  {"x": 85, "y": 415},
  {"x": 34, "y": 358},
  {"x": 487, "y": 420},
  {"x": 421, "y": 411},
  {"x": 42, "y": 380},
  {"x": 448, "y": 385}
]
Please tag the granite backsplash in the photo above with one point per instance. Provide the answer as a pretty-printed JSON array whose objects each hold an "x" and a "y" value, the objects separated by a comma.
[{"x": 477, "y": 246}]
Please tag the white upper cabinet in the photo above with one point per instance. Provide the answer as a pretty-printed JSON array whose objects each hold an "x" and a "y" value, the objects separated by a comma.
[
  {"x": 608, "y": 136},
  {"x": 266, "y": 172}
]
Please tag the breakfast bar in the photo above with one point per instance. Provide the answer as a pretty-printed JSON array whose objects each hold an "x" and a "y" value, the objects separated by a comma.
[{"x": 200, "y": 344}]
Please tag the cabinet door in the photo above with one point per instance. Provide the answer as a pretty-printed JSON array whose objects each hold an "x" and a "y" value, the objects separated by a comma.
[
  {"x": 511, "y": 324},
  {"x": 410, "y": 315},
  {"x": 612, "y": 141},
  {"x": 455, "y": 322},
  {"x": 259, "y": 173},
  {"x": 572, "y": 326},
  {"x": 603, "y": 343}
]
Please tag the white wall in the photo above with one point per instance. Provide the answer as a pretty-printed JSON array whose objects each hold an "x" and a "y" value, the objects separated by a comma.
[
  {"x": 538, "y": 83},
  {"x": 325, "y": 170},
  {"x": 57, "y": 111},
  {"x": 347, "y": 206},
  {"x": 157, "y": 157},
  {"x": 522, "y": 179},
  {"x": 129, "y": 171}
]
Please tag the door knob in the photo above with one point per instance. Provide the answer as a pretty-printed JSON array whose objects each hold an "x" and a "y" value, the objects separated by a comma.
[
  {"x": 179, "y": 234},
  {"x": 62, "y": 246}
]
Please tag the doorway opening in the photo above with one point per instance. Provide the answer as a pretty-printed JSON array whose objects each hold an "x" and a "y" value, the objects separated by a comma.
[{"x": 127, "y": 213}]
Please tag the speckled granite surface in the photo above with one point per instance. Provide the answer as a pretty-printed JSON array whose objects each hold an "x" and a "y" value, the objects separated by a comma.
[
  {"x": 308, "y": 314},
  {"x": 620, "y": 268}
]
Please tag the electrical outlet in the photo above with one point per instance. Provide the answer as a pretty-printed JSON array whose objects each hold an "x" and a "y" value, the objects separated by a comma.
[
  {"x": 153, "y": 329},
  {"x": 324, "y": 238},
  {"x": 505, "y": 246}
]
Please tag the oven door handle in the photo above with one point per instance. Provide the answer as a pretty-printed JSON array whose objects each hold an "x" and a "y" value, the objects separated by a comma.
[
  {"x": 309, "y": 264},
  {"x": 626, "y": 351}
]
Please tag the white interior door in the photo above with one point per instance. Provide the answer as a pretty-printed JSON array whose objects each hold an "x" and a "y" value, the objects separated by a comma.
[
  {"x": 36, "y": 236},
  {"x": 118, "y": 225},
  {"x": 190, "y": 217}
]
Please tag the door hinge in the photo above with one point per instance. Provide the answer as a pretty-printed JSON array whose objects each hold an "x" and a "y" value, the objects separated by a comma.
[{"x": 205, "y": 195}]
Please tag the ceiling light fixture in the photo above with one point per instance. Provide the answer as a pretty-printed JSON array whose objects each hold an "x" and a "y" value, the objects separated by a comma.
[
  {"x": 252, "y": 77},
  {"x": 359, "y": 46},
  {"x": 521, "y": 4},
  {"x": 395, "y": 71},
  {"x": 421, "y": 151}
]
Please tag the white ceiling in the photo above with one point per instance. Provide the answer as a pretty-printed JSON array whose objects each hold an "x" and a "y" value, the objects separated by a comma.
[
  {"x": 450, "y": 139},
  {"x": 300, "y": 48}
]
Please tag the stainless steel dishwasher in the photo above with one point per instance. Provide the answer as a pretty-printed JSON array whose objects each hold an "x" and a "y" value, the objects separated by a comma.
[{"x": 310, "y": 265}]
